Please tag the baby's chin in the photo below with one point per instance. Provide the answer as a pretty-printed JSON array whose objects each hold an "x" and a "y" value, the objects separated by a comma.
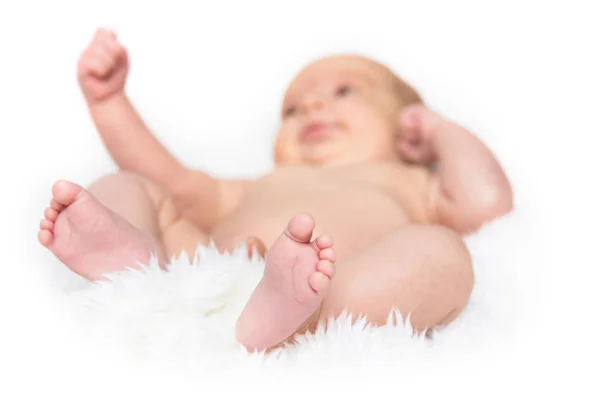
[
  {"x": 327, "y": 153},
  {"x": 305, "y": 158},
  {"x": 334, "y": 156},
  {"x": 348, "y": 157}
]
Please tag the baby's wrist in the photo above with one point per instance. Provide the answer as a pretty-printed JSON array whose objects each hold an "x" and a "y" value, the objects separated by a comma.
[{"x": 102, "y": 101}]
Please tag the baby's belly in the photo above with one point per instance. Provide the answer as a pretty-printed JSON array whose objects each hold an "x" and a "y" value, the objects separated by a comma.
[{"x": 354, "y": 222}]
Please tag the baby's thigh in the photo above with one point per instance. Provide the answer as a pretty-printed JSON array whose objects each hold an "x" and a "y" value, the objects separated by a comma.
[
  {"x": 132, "y": 197},
  {"x": 415, "y": 247},
  {"x": 425, "y": 268},
  {"x": 179, "y": 233}
]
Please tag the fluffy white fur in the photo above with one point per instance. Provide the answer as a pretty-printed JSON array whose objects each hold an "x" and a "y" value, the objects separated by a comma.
[{"x": 187, "y": 315}]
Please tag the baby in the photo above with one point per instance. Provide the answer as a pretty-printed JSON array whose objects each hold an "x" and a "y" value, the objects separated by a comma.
[{"x": 364, "y": 211}]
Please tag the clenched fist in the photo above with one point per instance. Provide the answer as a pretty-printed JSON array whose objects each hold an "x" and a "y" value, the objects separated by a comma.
[
  {"x": 419, "y": 126},
  {"x": 102, "y": 67}
]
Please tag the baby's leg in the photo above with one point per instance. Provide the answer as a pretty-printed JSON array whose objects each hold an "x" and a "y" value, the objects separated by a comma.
[
  {"x": 424, "y": 270},
  {"x": 119, "y": 222},
  {"x": 148, "y": 207},
  {"x": 91, "y": 239},
  {"x": 287, "y": 299},
  {"x": 135, "y": 199}
]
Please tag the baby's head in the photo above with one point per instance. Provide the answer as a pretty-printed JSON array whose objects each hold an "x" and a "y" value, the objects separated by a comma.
[{"x": 342, "y": 110}]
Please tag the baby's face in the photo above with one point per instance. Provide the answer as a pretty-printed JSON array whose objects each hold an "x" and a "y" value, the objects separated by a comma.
[{"x": 339, "y": 110}]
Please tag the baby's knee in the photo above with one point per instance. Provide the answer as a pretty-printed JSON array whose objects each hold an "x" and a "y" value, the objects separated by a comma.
[
  {"x": 127, "y": 179},
  {"x": 460, "y": 267},
  {"x": 121, "y": 178},
  {"x": 455, "y": 263}
]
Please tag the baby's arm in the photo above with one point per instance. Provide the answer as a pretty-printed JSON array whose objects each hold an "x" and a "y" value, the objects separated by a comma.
[
  {"x": 131, "y": 144},
  {"x": 197, "y": 196},
  {"x": 102, "y": 72},
  {"x": 469, "y": 187}
]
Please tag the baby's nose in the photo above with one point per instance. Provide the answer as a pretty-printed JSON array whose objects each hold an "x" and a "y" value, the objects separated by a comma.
[{"x": 312, "y": 103}]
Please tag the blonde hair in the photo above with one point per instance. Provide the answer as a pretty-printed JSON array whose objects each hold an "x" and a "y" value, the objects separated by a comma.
[{"x": 405, "y": 93}]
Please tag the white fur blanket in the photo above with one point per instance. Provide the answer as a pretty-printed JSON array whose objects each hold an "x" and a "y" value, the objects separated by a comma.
[{"x": 186, "y": 316}]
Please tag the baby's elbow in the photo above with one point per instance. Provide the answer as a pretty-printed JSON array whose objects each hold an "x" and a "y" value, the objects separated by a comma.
[
  {"x": 470, "y": 212},
  {"x": 494, "y": 204},
  {"x": 500, "y": 202}
]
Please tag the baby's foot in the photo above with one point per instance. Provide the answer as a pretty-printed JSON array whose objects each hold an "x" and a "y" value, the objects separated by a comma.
[
  {"x": 89, "y": 238},
  {"x": 296, "y": 278}
]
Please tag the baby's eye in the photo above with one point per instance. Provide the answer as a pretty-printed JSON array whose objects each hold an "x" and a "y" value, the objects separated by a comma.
[
  {"x": 344, "y": 91},
  {"x": 290, "y": 111}
]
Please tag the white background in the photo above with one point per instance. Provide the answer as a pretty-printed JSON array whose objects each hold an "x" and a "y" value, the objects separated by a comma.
[{"x": 208, "y": 77}]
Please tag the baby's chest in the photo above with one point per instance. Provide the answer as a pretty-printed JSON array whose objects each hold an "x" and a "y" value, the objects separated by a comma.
[
  {"x": 347, "y": 208},
  {"x": 370, "y": 191},
  {"x": 338, "y": 202}
]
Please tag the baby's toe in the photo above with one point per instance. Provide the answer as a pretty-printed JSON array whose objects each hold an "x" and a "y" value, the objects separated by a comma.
[
  {"x": 65, "y": 192},
  {"x": 56, "y": 205},
  {"x": 326, "y": 267},
  {"x": 323, "y": 242},
  {"x": 319, "y": 282},
  {"x": 300, "y": 228},
  {"x": 51, "y": 214},
  {"x": 327, "y": 254},
  {"x": 47, "y": 224},
  {"x": 45, "y": 237}
]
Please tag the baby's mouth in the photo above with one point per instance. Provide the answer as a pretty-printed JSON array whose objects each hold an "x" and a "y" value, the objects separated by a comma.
[{"x": 316, "y": 131}]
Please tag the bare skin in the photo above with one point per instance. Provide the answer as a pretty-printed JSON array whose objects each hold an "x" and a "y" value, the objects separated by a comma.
[
  {"x": 353, "y": 216},
  {"x": 89, "y": 238}
]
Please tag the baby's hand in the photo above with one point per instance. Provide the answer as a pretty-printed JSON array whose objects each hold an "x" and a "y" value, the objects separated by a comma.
[
  {"x": 102, "y": 67},
  {"x": 417, "y": 125}
]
